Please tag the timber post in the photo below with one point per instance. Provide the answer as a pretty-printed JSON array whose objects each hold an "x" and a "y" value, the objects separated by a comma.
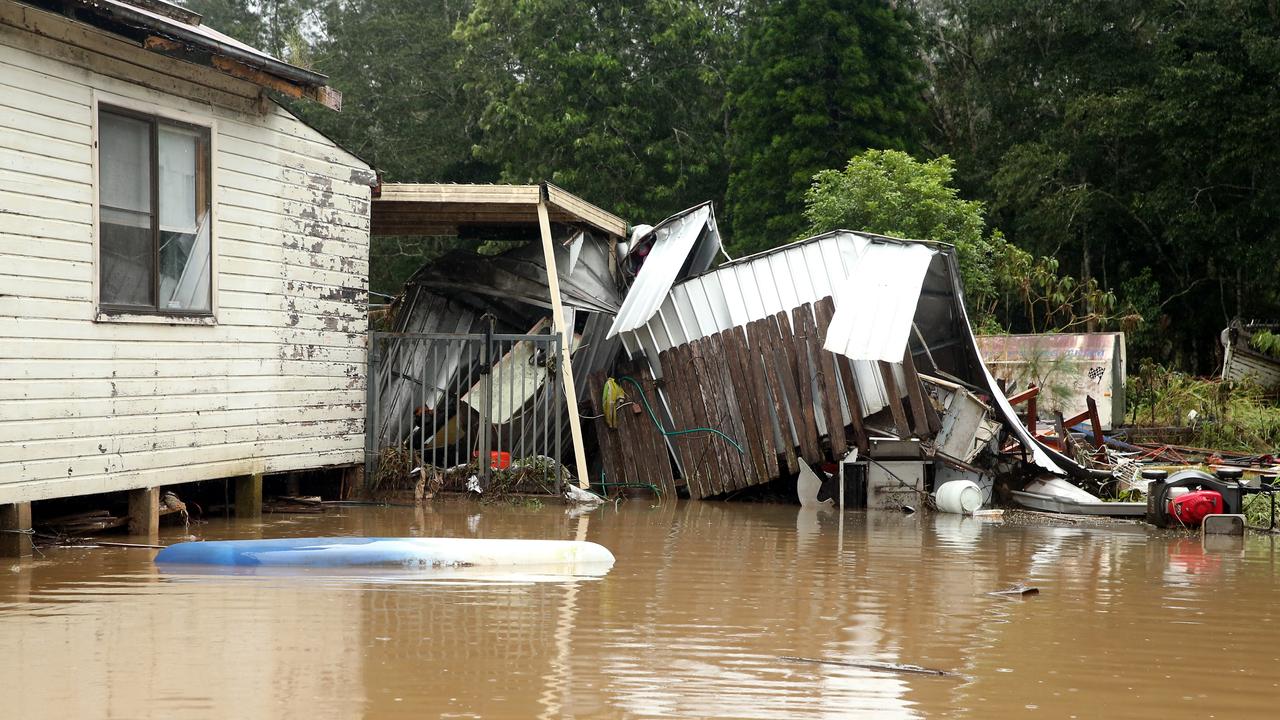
[
  {"x": 144, "y": 512},
  {"x": 16, "y": 538},
  {"x": 566, "y": 340},
  {"x": 248, "y": 496}
]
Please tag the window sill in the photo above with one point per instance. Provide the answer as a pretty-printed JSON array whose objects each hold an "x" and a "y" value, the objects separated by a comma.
[{"x": 121, "y": 316}]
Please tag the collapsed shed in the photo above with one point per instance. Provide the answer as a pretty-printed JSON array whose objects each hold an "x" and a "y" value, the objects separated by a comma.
[
  {"x": 843, "y": 342},
  {"x": 484, "y": 349}
]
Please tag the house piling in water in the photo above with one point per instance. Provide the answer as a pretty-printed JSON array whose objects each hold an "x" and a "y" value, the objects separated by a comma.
[{"x": 183, "y": 262}]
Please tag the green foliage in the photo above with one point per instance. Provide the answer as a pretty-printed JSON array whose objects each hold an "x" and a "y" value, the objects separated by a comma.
[
  {"x": 1258, "y": 510},
  {"x": 620, "y": 101},
  {"x": 405, "y": 110},
  {"x": 1229, "y": 416},
  {"x": 1133, "y": 141},
  {"x": 1267, "y": 342},
  {"x": 820, "y": 81},
  {"x": 890, "y": 193}
]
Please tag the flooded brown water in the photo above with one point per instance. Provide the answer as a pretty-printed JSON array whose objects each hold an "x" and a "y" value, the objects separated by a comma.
[{"x": 692, "y": 621}]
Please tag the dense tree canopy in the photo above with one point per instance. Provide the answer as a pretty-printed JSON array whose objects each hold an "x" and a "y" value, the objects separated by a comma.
[
  {"x": 1123, "y": 145},
  {"x": 620, "y": 100},
  {"x": 1127, "y": 139},
  {"x": 819, "y": 80}
]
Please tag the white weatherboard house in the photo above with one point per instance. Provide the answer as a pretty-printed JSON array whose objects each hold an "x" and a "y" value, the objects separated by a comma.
[{"x": 183, "y": 263}]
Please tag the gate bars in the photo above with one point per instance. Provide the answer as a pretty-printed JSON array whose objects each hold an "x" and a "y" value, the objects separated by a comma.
[{"x": 452, "y": 400}]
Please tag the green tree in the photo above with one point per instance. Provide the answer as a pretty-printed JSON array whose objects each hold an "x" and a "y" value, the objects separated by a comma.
[
  {"x": 400, "y": 70},
  {"x": 273, "y": 26},
  {"x": 1133, "y": 141},
  {"x": 618, "y": 100},
  {"x": 820, "y": 81},
  {"x": 890, "y": 193}
]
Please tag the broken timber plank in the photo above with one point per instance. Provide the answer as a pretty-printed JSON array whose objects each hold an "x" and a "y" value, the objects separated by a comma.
[
  {"x": 742, "y": 389},
  {"x": 758, "y": 334},
  {"x": 758, "y": 396},
  {"x": 675, "y": 397},
  {"x": 661, "y": 458},
  {"x": 701, "y": 446},
  {"x": 800, "y": 392},
  {"x": 930, "y": 412},
  {"x": 806, "y": 375},
  {"x": 825, "y": 377},
  {"x": 894, "y": 395},
  {"x": 725, "y": 402},
  {"x": 825, "y": 309},
  {"x": 710, "y": 419},
  {"x": 915, "y": 393}
]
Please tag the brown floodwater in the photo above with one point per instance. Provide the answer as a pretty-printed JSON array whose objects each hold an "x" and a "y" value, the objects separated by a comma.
[{"x": 694, "y": 620}]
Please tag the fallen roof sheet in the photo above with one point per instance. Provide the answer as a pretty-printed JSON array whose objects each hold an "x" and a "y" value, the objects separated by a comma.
[
  {"x": 875, "y": 306},
  {"x": 521, "y": 275},
  {"x": 686, "y": 241}
]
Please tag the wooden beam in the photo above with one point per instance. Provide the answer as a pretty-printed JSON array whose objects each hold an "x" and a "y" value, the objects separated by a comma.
[
  {"x": 446, "y": 193},
  {"x": 323, "y": 94},
  {"x": 602, "y": 219},
  {"x": 894, "y": 395},
  {"x": 1095, "y": 424},
  {"x": 1024, "y": 396},
  {"x": 566, "y": 335},
  {"x": 915, "y": 393}
]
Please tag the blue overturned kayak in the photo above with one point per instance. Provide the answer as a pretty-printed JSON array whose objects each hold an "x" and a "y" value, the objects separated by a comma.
[{"x": 404, "y": 553}]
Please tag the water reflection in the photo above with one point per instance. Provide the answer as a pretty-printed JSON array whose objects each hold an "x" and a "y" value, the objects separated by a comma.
[{"x": 703, "y": 602}]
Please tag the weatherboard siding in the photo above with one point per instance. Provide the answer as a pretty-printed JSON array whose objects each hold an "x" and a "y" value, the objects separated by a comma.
[{"x": 276, "y": 384}]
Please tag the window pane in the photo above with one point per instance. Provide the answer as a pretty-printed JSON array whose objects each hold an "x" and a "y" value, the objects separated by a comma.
[
  {"x": 127, "y": 253},
  {"x": 125, "y": 261},
  {"x": 184, "y": 219},
  {"x": 125, "y": 157}
]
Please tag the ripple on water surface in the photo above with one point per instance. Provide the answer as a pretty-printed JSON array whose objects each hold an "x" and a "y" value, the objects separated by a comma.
[{"x": 694, "y": 620}]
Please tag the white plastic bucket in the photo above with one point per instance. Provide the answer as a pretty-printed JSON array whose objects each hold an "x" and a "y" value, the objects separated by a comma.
[{"x": 958, "y": 496}]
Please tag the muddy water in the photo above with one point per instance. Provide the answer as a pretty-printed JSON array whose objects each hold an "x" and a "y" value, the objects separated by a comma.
[{"x": 692, "y": 622}]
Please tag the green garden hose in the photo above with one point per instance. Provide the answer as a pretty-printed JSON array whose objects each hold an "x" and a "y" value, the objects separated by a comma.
[{"x": 674, "y": 433}]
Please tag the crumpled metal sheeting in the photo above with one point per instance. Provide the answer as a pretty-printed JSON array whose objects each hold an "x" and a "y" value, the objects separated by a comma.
[
  {"x": 520, "y": 275},
  {"x": 685, "y": 242}
]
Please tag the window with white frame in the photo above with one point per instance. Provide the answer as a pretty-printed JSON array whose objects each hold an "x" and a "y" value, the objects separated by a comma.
[{"x": 154, "y": 248}]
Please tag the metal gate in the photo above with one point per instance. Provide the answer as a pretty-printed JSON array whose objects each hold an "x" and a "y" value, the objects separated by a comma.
[{"x": 463, "y": 406}]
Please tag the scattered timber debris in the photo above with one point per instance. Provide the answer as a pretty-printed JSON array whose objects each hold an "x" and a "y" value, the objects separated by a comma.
[
  {"x": 293, "y": 504},
  {"x": 873, "y": 665},
  {"x": 94, "y": 521}
]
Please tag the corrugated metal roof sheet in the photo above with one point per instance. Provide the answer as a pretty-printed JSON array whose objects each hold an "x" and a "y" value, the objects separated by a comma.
[
  {"x": 688, "y": 239},
  {"x": 875, "y": 306}
]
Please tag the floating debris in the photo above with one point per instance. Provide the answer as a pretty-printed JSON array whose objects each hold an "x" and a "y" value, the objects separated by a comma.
[{"x": 873, "y": 665}]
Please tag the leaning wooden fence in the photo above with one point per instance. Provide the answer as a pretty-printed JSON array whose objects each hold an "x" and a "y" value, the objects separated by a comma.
[{"x": 763, "y": 385}]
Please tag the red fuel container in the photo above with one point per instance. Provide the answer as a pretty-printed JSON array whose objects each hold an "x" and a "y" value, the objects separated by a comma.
[{"x": 497, "y": 460}]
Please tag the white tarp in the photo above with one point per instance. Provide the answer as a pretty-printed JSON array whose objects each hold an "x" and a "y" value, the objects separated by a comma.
[{"x": 875, "y": 306}]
